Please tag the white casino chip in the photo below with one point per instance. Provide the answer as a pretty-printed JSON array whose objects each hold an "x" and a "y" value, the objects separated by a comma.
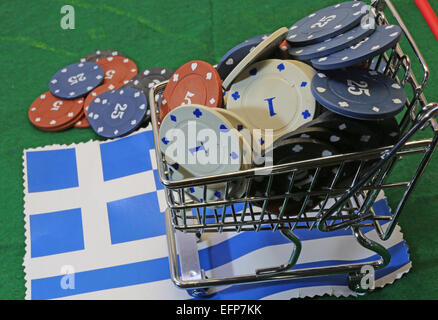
[
  {"x": 273, "y": 94},
  {"x": 263, "y": 50},
  {"x": 202, "y": 142},
  {"x": 196, "y": 123}
]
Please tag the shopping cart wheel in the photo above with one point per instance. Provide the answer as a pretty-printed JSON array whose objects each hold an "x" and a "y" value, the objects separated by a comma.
[
  {"x": 354, "y": 283},
  {"x": 200, "y": 292}
]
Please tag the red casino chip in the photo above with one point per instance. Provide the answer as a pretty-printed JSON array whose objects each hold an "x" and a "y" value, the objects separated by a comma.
[
  {"x": 117, "y": 70},
  {"x": 82, "y": 123},
  {"x": 66, "y": 126},
  {"x": 196, "y": 82},
  {"x": 48, "y": 112}
]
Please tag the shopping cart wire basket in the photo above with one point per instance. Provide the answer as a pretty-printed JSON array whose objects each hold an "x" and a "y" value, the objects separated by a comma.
[{"x": 338, "y": 206}]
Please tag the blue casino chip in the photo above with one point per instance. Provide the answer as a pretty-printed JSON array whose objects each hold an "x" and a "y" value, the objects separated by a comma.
[
  {"x": 331, "y": 45},
  {"x": 359, "y": 94},
  {"x": 76, "y": 80},
  {"x": 327, "y": 23},
  {"x": 236, "y": 54},
  {"x": 258, "y": 39},
  {"x": 384, "y": 38},
  {"x": 378, "y": 66},
  {"x": 117, "y": 113}
]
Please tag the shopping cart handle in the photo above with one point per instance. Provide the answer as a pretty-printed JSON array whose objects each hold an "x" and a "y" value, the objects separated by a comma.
[{"x": 427, "y": 116}]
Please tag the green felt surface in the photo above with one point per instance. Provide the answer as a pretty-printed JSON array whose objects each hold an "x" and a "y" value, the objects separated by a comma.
[{"x": 167, "y": 33}]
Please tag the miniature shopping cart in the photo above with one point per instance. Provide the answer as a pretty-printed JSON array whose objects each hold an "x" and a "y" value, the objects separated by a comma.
[{"x": 349, "y": 207}]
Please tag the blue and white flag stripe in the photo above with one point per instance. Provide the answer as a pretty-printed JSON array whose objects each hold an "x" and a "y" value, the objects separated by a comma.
[{"x": 157, "y": 270}]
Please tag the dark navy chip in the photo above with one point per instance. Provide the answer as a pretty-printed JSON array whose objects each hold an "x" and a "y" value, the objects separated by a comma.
[
  {"x": 340, "y": 141},
  {"x": 101, "y": 54},
  {"x": 357, "y": 131},
  {"x": 359, "y": 94},
  {"x": 350, "y": 135},
  {"x": 145, "y": 81},
  {"x": 117, "y": 113},
  {"x": 76, "y": 80},
  {"x": 295, "y": 150},
  {"x": 236, "y": 54},
  {"x": 331, "y": 45},
  {"x": 378, "y": 66},
  {"x": 389, "y": 130},
  {"x": 327, "y": 23},
  {"x": 384, "y": 38},
  {"x": 148, "y": 78},
  {"x": 258, "y": 39},
  {"x": 300, "y": 149}
]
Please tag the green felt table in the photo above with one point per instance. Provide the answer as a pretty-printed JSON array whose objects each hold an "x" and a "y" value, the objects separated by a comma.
[{"x": 166, "y": 33}]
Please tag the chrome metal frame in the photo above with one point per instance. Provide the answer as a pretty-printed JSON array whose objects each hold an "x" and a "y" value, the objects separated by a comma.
[{"x": 351, "y": 206}]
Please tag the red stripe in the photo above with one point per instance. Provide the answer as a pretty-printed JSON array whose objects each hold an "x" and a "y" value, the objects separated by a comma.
[{"x": 429, "y": 15}]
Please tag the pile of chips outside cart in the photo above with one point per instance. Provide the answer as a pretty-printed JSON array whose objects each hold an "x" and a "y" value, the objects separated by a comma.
[{"x": 85, "y": 85}]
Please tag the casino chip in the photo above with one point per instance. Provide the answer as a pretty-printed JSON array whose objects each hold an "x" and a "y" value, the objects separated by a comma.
[
  {"x": 294, "y": 150},
  {"x": 96, "y": 92},
  {"x": 179, "y": 120},
  {"x": 305, "y": 67},
  {"x": 331, "y": 45},
  {"x": 237, "y": 121},
  {"x": 117, "y": 113},
  {"x": 76, "y": 80},
  {"x": 158, "y": 98},
  {"x": 284, "y": 46},
  {"x": 214, "y": 192},
  {"x": 245, "y": 130},
  {"x": 148, "y": 78},
  {"x": 258, "y": 39},
  {"x": 359, "y": 94},
  {"x": 224, "y": 99},
  {"x": 386, "y": 133},
  {"x": 273, "y": 94},
  {"x": 237, "y": 187},
  {"x": 379, "y": 68},
  {"x": 230, "y": 60},
  {"x": 100, "y": 54},
  {"x": 220, "y": 153},
  {"x": 391, "y": 131},
  {"x": 49, "y": 112},
  {"x": 196, "y": 82},
  {"x": 360, "y": 132},
  {"x": 263, "y": 50},
  {"x": 326, "y": 23},
  {"x": 340, "y": 142},
  {"x": 311, "y": 73},
  {"x": 82, "y": 123},
  {"x": 65, "y": 126},
  {"x": 299, "y": 149},
  {"x": 383, "y": 38},
  {"x": 117, "y": 70}
]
